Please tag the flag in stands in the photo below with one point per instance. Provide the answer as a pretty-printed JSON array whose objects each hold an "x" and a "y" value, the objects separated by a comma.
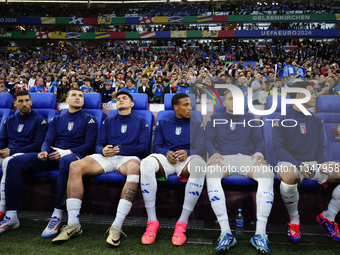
[
  {"x": 102, "y": 35},
  {"x": 175, "y": 19},
  {"x": 211, "y": 33},
  {"x": 204, "y": 18},
  {"x": 47, "y": 20},
  {"x": 146, "y": 19},
  {"x": 72, "y": 35},
  {"x": 77, "y": 21},
  {"x": 178, "y": 34},
  {"x": 104, "y": 20},
  {"x": 42, "y": 35},
  {"x": 147, "y": 35}
]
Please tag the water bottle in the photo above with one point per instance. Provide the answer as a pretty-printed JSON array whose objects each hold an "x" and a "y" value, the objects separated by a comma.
[{"x": 239, "y": 223}]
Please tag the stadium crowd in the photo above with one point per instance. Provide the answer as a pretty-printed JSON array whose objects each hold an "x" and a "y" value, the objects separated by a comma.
[
  {"x": 168, "y": 9},
  {"x": 110, "y": 67}
]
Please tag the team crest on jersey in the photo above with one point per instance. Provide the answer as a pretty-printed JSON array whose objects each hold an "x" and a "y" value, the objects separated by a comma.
[
  {"x": 302, "y": 128},
  {"x": 20, "y": 127},
  {"x": 232, "y": 126},
  {"x": 123, "y": 129},
  {"x": 178, "y": 130},
  {"x": 70, "y": 126},
  {"x": 338, "y": 130}
]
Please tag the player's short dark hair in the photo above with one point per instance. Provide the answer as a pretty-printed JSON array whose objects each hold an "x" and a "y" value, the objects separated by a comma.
[
  {"x": 76, "y": 89},
  {"x": 175, "y": 99},
  {"x": 122, "y": 92},
  {"x": 299, "y": 84},
  {"x": 226, "y": 93},
  {"x": 21, "y": 93}
]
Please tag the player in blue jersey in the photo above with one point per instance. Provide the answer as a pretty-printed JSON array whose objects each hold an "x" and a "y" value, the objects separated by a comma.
[
  {"x": 22, "y": 132},
  {"x": 302, "y": 153},
  {"x": 178, "y": 147},
  {"x": 122, "y": 139},
  {"x": 235, "y": 145},
  {"x": 70, "y": 137}
]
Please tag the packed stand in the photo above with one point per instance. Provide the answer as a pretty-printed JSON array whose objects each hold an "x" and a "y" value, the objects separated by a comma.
[
  {"x": 106, "y": 70},
  {"x": 167, "y": 9}
]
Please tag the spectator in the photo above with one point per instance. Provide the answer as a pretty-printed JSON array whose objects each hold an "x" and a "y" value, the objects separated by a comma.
[
  {"x": 158, "y": 91},
  {"x": 39, "y": 88},
  {"x": 86, "y": 88},
  {"x": 48, "y": 81},
  {"x": 264, "y": 92},
  {"x": 3, "y": 88},
  {"x": 53, "y": 88},
  {"x": 75, "y": 84},
  {"x": 121, "y": 85},
  {"x": 114, "y": 98},
  {"x": 277, "y": 84},
  {"x": 171, "y": 86},
  {"x": 106, "y": 93},
  {"x": 63, "y": 88},
  {"x": 256, "y": 86},
  {"x": 32, "y": 80},
  {"x": 241, "y": 84},
  {"x": 129, "y": 86},
  {"x": 24, "y": 84},
  {"x": 182, "y": 86},
  {"x": 144, "y": 88}
]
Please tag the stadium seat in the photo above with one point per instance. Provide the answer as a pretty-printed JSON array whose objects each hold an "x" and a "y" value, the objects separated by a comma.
[
  {"x": 44, "y": 104},
  {"x": 6, "y": 101},
  {"x": 92, "y": 103},
  {"x": 329, "y": 111}
]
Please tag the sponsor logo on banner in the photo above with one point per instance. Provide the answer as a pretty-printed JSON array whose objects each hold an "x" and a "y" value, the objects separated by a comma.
[
  {"x": 20, "y": 127},
  {"x": 70, "y": 126},
  {"x": 178, "y": 130},
  {"x": 303, "y": 128},
  {"x": 123, "y": 129}
]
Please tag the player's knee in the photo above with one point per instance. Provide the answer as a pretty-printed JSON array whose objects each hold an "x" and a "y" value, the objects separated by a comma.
[
  {"x": 149, "y": 166},
  {"x": 133, "y": 169},
  {"x": 215, "y": 170},
  {"x": 290, "y": 180},
  {"x": 76, "y": 169},
  {"x": 198, "y": 167},
  {"x": 262, "y": 171}
]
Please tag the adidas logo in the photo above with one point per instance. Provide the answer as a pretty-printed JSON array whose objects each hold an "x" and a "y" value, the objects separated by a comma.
[
  {"x": 145, "y": 191},
  {"x": 195, "y": 193},
  {"x": 226, "y": 242},
  {"x": 215, "y": 199},
  {"x": 43, "y": 122},
  {"x": 91, "y": 121}
]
